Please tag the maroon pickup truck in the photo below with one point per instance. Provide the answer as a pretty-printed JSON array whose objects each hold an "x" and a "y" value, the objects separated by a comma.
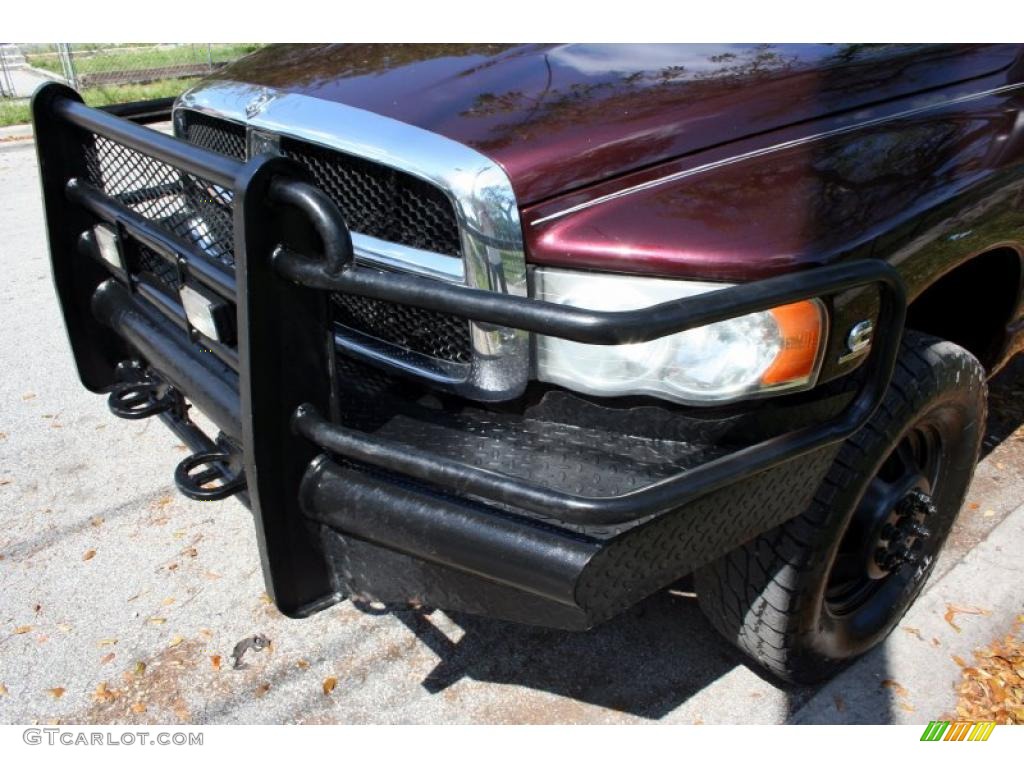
[{"x": 535, "y": 331}]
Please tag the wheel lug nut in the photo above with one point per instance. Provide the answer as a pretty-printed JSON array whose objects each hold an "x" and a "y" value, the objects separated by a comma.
[{"x": 918, "y": 530}]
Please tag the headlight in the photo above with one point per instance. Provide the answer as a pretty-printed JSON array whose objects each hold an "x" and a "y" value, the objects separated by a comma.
[{"x": 773, "y": 351}]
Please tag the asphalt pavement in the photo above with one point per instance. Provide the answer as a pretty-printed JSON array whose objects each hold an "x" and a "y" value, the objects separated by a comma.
[{"x": 121, "y": 601}]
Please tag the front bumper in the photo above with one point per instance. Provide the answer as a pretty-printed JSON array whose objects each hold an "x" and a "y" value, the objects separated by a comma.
[{"x": 342, "y": 510}]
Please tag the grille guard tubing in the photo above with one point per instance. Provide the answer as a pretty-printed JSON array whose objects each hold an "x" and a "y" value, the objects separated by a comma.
[
  {"x": 285, "y": 366},
  {"x": 596, "y": 327}
]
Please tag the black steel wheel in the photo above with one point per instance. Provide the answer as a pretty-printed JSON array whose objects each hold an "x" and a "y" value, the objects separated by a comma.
[{"x": 811, "y": 595}]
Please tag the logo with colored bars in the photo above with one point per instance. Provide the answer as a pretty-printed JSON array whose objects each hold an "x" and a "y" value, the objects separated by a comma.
[{"x": 943, "y": 730}]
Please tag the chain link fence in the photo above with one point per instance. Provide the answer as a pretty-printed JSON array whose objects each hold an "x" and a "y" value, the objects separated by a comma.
[{"x": 107, "y": 73}]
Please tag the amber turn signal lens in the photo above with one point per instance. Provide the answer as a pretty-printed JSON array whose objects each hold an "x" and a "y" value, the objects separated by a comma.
[{"x": 801, "y": 327}]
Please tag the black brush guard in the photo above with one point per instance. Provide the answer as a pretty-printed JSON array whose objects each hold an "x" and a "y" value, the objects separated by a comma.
[{"x": 339, "y": 511}]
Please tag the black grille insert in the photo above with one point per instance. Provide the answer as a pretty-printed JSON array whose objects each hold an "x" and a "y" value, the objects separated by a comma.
[
  {"x": 380, "y": 202},
  {"x": 221, "y": 136},
  {"x": 436, "y": 335}
]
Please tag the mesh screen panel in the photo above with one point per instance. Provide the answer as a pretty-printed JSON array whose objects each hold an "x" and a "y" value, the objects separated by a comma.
[{"x": 195, "y": 210}]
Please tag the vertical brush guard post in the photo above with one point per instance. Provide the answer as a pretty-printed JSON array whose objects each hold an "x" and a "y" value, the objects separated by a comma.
[
  {"x": 284, "y": 358},
  {"x": 122, "y": 341},
  {"x": 455, "y": 534}
]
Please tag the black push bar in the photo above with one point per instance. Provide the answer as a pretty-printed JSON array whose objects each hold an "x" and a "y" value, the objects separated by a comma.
[
  {"x": 337, "y": 272},
  {"x": 334, "y": 270},
  {"x": 595, "y": 327}
]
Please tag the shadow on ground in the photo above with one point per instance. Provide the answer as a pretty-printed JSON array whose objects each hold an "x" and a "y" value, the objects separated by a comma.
[
  {"x": 646, "y": 662},
  {"x": 652, "y": 659}
]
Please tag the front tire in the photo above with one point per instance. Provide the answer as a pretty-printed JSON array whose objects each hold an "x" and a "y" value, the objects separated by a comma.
[{"x": 808, "y": 597}]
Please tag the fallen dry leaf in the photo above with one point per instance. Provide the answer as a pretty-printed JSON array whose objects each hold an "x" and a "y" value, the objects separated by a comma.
[
  {"x": 167, "y": 601},
  {"x": 28, "y": 396},
  {"x": 973, "y": 505},
  {"x": 107, "y": 658},
  {"x": 89, "y": 554},
  {"x": 895, "y": 687},
  {"x": 959, "y": 661},
  {"x": 5, "y": 481},
  {"x": 913, "y": 631},
  {"x": 215, "y": 662},
  {"x": 176, "y": 641},
  {"x": 158, "y": 620},
  {"x": 329, "y": 685},
  {"x": 3, "y": 689},
  {"x": 104, "y": 694},
  {"x": 138, "y": 707},
  {"x": 211, "y": 576},
  {"x": 261, "y": 691},
  {"x": 993, "y": 689},
  {"x": 107, "y": 641},
  {"x": 23, "y": 630},
  {"x": 989, "y": 513},
  {"x": 139, "y": 669},
  {"x": 56, "y": 692},
  {"x": 302, "y": 664},
  {"x": 96, "y": 521},
  {"x": 953, "y": 610},
  {"x": 266, "y": 599},
  {"x": 190, "y": 552},
  {"x": 907, "y": 707}
]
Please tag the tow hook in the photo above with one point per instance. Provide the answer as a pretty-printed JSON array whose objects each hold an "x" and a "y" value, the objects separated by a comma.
[
  {"x": 194, "y": 473},
  {"x": 140, "y": 399}
]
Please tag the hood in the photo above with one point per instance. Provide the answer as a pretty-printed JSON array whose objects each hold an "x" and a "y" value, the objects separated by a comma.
[{"x": 561, "y": 117}]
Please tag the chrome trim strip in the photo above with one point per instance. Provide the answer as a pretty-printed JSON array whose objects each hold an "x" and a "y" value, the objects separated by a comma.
[
  {"x": 700, "y": 169},
  {"x": 380, "y": 253},
  {"x": 480, "y": 190}
]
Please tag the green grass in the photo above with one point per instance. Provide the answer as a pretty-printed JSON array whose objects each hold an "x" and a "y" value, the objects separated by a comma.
[
  {"x": 16, "y": 112},
  {"x": 117, "y": 94},
  {"x": 112, "y": 59}
]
